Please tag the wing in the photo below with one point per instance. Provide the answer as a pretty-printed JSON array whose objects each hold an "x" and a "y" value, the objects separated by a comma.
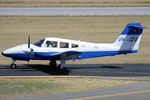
[{"x": 67, "y": 55}]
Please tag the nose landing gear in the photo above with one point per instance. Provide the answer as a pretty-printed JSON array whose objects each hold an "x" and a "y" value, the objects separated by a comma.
[{"x": 13, "y": 65}]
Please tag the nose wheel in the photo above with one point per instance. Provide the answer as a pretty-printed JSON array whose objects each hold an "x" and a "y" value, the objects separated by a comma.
[{"x": 13, "y": 65}]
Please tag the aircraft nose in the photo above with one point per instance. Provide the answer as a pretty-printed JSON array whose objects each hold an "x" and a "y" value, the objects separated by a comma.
[
  {"x": 2, "y": 53},
  {"x": 6, "y": 52}
]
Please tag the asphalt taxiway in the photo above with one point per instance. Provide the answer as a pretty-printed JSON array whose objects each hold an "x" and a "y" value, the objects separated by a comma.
[
  {"x": 74, "y": 11},
  {"x": 105, "y": 70}
]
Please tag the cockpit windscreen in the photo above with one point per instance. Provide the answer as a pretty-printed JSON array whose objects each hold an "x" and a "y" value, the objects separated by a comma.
[{"x": 39, "y": 43}]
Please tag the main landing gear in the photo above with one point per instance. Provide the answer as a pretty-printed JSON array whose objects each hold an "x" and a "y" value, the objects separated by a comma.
[
  {"x": 13, "y": 65},
  {"x": 53, "y": 65}
]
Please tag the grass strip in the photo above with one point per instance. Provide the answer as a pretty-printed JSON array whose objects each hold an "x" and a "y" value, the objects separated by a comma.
[{"x": 12, "y": 88}]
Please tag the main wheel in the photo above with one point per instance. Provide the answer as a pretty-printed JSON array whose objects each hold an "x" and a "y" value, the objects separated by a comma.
[
  {"x": 58, "y": 67},
  {"x": 13, "y": 66},
  {"x": 64, "y": 69},
  {"x": 53, "y": 64}
]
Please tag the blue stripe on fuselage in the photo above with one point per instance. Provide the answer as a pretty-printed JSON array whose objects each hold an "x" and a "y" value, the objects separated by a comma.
[
  {"x": 20, "y": 56},
  {"x": 84, "y": 55},
  {"x": 38, "y": 56}
]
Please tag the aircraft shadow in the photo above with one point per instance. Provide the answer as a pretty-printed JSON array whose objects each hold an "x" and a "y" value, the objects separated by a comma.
[{"x": 111, "y": 70}]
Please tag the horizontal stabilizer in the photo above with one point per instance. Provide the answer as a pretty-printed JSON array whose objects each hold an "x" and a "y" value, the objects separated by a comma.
[{"x": 138, "y": 27}]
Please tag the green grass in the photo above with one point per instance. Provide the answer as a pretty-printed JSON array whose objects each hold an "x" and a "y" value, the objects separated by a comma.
[
  {"x": 26, "y": 86},
  {"x": 11, "y": 88}
]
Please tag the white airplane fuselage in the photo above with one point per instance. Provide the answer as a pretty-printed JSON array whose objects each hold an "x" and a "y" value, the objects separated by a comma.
[{"x": 87, "y": 49}]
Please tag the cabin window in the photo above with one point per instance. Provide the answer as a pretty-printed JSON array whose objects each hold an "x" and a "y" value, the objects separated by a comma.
[
  {"x": 39, "y": 43},
  {"x": 74, "y": 45},
  {"x": 51, "y": 44},
  {"x": 64, "y": 45}
]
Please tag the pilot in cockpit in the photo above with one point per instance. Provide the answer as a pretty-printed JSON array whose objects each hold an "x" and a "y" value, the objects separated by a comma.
[{"x": 48, "y": 44}]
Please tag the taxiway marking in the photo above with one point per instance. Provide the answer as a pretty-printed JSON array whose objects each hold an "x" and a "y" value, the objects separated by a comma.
[{"x": 110, "y": 95}]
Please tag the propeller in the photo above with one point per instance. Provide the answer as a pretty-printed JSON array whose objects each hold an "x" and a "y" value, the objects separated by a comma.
[
  {"x": 29, "y": 50},
  {"x": 28, "y": 46},
  {"x": 28, "y": 41}
]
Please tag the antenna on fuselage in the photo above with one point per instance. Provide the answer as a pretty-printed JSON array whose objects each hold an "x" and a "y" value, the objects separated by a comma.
[{"x": 82, "y": 37}]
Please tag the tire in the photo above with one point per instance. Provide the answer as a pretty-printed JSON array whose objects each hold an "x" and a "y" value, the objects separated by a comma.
[
  {"x": 58, "y": 67},
  {"x": 13, "y": 66},
  {"x": 52, "y": 64},
  {"x": 64, "y": 69}
]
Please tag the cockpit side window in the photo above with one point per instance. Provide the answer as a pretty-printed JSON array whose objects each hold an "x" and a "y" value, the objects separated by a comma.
[
  {"x": 51, "y": 44},
  {"x": 74, "y": 46},
  {"x": 64, "y": 45},
  {"x": 39, "y": 43}
]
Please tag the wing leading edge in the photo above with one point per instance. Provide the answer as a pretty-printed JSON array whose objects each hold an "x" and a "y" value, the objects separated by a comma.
[{"x": 67, "y": 55}]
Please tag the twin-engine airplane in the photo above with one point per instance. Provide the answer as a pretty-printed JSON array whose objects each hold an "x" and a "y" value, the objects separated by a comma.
[{"x": 54, "y": 49}]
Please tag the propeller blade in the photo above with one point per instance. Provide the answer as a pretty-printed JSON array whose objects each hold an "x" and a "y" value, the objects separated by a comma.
[
  {"x": 28, "y": 41},
  {"x": 28, "y": 46}
]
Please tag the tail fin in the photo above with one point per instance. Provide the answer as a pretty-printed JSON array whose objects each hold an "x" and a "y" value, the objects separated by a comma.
[{"x": 129, "y": 39}]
